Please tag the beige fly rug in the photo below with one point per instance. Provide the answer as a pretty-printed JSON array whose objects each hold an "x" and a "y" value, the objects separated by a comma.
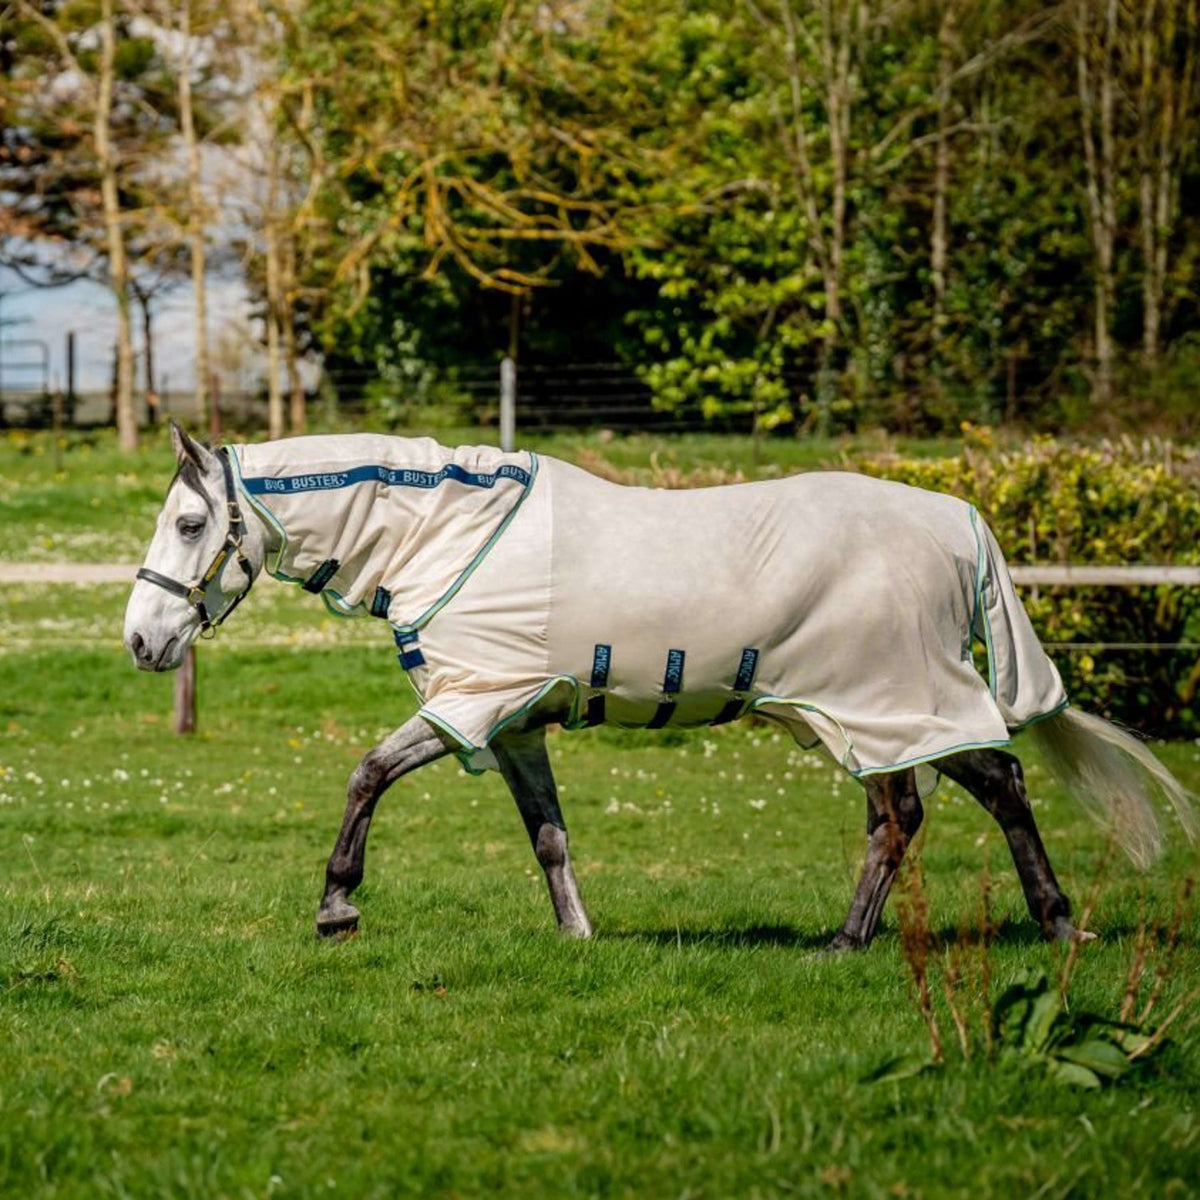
[{"x": 842, "y": 607}]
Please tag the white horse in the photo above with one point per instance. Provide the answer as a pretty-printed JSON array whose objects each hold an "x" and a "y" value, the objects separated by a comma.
[{"x": 522, "y": 592}]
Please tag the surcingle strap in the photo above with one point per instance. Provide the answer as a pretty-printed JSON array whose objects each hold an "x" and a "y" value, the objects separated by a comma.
[
  {"x": 601, "y": 661},
  {"x": 672, "y": 686},
  {"x": 409, "y": 658},
  {"x": 741, "y": 685},
  {"x": 381, "y": 602},
  {"x": 321, "y": 576}
]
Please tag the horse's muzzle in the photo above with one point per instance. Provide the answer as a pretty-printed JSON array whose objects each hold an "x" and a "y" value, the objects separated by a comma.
[{"x": 147, "y": 659}]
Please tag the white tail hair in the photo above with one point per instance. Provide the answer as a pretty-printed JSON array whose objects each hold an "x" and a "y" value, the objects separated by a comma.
[{"x": 1114, "y": 777}]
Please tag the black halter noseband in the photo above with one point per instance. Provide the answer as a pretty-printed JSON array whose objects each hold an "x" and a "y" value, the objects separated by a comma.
[{"x": 196, "y": 594}]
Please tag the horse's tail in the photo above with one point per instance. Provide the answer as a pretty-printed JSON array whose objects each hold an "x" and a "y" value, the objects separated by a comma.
[{"x": 1114, "y": 777}]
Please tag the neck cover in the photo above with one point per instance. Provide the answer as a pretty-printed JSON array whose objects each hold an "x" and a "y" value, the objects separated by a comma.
[{"x": 381, "y": 525}]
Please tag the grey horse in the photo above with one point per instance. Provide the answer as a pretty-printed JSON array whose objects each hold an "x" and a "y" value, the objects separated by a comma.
[{"x": 407, "y": 531}]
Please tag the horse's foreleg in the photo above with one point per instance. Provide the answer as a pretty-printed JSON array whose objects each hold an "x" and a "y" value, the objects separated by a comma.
[
  {"x": 894, "y": 815},
  {"x": 525, "y": 766},
  {"x": 996, "y": 780},
  {"x": 413, "y": 745}
]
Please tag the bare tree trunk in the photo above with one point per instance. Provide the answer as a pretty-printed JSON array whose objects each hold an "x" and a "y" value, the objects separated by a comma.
[
  {"x": 274, "y": 390},
  {"x": 1146, "y": 182},
  {"x": 199, "y": 253},
  {"x": 118, "y": 267},
  {"x": 941, "y": 174},
  {"x": 151, "y": 390},
  {"x": 1166, "y": 103},
  {"x": 1108, "y": 204},
  {"x": 296, "y": 406},
  {"x": 1096, "y": 47}
]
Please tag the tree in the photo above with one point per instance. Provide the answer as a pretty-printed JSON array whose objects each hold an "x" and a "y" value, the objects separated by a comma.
[
  {"x": 88, "y": 91},
  {"x": 1166, "y": 45}
]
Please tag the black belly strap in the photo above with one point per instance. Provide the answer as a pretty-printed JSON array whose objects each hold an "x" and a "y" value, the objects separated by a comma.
[
  {"x": 601, "y": 661},
  {"x": 736, "y": 706},
  {"x": 672, "y": 686}
]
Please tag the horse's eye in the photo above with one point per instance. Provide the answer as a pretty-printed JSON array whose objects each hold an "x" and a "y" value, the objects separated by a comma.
[{"x": 189, "y": 528}]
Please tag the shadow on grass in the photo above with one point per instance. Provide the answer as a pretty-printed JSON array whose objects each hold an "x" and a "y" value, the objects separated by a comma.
[
  {"x": 1013, "y": 933},
  {"x": 751, "y": 935}
]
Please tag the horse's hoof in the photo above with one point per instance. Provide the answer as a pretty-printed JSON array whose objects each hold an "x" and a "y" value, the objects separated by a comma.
[
  {"x": 576, "y": 932},
  {"x": 1063, "y": 931},
  {"x": 841, "y": 942},
  {"x": 340, "y": 922}
]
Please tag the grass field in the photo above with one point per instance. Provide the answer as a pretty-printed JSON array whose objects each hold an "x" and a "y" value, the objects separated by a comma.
[{"x": 170, "y": 1026}]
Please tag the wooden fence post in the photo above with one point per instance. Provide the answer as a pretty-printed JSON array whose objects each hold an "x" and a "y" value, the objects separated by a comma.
[
  {"x": 185, "y": 693},
  {"x": 508, "y": 404}
]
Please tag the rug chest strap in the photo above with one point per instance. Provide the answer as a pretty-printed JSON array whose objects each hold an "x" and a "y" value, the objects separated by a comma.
[{"x": 321, "y": 576}]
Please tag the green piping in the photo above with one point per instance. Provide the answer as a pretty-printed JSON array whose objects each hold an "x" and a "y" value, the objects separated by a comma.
[
  {"x": 456, "y": 586},
  {"x": 981, "y": 607},
  {"x": 808, "y": 706},
  {"x": 269, "y": 516},
  {"x": 863, "y": 772},
  {"x": 1046, "y": 716},
  {"x": 546, "y": 687}
]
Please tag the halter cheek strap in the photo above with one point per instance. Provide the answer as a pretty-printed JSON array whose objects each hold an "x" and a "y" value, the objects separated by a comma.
[{"x": 197, "y": 594}]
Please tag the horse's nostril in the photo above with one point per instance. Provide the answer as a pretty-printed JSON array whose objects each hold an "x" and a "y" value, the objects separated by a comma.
[{"x": 138, "y": 645}]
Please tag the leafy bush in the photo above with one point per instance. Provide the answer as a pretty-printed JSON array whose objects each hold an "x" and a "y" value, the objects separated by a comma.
[{"x": 1124, "y": 502}]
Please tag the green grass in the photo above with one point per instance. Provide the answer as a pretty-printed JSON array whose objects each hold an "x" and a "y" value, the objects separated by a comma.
[{"x": 169, "y": 1025}]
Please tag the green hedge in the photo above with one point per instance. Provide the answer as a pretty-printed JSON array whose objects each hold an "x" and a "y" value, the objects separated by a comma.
[{"x": 1128, "y": 502}]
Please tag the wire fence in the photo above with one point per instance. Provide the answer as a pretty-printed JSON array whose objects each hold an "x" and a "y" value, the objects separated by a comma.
[{"x": 550, "y": 397}]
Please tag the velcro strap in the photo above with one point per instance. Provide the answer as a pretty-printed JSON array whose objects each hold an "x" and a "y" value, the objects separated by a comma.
[
  {"x": 381, "y": 602},
  {"x": 321, "y": 576},
  {"x": 409, "y": 657}
]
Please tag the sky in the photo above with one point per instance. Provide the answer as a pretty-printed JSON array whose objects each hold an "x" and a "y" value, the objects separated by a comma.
[{"x": 89, "y": 310}]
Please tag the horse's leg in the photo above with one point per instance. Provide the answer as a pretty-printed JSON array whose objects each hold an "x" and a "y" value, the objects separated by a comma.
[
  {"x": 894, "y": 815},
  {"x": 525, "y": 766},
  {"x": 413, "y": 745},
  {"x": 996, "y": 780}
]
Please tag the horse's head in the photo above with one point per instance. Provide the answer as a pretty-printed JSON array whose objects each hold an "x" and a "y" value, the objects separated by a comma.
[{"x": 201, "y": 561}]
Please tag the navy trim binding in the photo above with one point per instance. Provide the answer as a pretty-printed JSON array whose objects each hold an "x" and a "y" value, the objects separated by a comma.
[
  {"x": 672, "y": 686},
  {"x": 321, "y": 576},
  {"x": 287, "y": 485},
  {"x": 601, "y": 661},
  {"x": 741, "y": 685}
]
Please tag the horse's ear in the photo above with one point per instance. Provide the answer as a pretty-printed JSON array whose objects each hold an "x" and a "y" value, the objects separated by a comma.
[{"x": 186, "y": 449}]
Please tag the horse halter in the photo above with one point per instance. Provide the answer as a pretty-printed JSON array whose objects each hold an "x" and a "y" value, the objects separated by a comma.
[{"x": 197, "y": 594}]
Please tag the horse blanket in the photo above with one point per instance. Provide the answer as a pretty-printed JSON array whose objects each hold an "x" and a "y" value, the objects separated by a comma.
[{"x": 842, "y": 607}]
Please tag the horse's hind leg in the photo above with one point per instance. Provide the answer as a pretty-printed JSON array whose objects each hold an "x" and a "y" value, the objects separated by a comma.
[
  {"x": 996, "y": 780},
  {"x": 525, "y": 766},
  {"x": 413, "y": 745},
  {"x": 893, "y": 817}
]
